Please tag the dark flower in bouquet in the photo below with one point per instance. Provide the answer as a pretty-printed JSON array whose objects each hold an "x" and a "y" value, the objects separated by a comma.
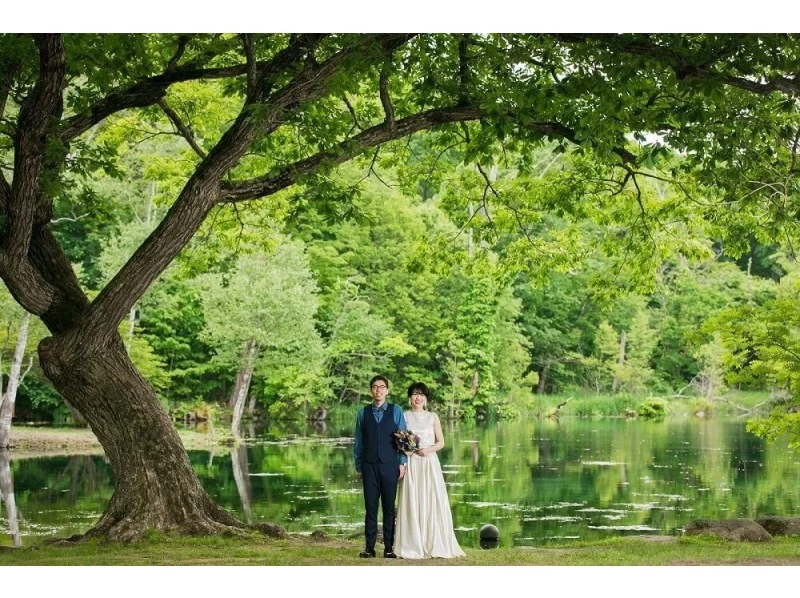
[{"x": 405, "y": 441}]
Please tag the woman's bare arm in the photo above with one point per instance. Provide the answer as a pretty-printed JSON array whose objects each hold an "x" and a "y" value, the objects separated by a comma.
[{"x": 437, "y": 432}]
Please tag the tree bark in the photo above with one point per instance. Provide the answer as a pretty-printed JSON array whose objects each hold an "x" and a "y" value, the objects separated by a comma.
[
  {"x": 77, "y": 418},
  {"x": 242, "y": 386},
  {"x": 14, "y": 378},
  {"x": 540, "y": 389},
  {"x": 7, "y": 496},
  {"x": 156, "y": 486}
]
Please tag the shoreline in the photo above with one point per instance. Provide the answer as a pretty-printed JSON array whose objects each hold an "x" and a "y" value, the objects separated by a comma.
[{"x": 28, "y": 442}]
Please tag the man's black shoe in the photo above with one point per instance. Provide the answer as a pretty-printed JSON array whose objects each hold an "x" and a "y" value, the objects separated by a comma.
[
  {"x": 389, "y": 555},
  {"x": 367, "y": 554}
]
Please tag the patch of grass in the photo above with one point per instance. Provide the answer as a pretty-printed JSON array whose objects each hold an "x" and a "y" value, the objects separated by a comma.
[
  {"x": 747, "y": 398},
  {"x": 259, "y": 550},
  {"x": 620, "y": 405},
  {"x": 587, "y": 404}
]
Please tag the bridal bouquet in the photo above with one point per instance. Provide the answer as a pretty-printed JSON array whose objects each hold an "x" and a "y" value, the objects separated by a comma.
[{"x": 405, "y": 442}]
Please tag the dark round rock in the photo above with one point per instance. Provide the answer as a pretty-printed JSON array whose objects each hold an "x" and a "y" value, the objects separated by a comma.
[{"x": 489, "y": 532}]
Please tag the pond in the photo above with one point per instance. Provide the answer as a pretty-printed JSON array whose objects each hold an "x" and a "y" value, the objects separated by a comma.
[{"x": 538, "y": 481}]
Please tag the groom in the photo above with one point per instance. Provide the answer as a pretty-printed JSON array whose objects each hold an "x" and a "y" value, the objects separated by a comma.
[{"x": 378, "y": 464}]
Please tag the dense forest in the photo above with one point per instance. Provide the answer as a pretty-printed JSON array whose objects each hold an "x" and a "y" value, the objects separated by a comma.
[{"x": 310, "y": 304}]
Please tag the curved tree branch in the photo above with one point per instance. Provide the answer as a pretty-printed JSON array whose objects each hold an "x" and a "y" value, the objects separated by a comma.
[
  {"x": 36, "y": 114},
  {"x": 263, "y": 186},
  {"x": 346, "y": 150},
  {"x": 202, "y": 191},
  {"x": 252, "y": 67},
  {"x": 185, "y": 131},
  {"x": 683, "y": 67},
  {"x": 352, "y": 111},
  {"x": 183, "y": 40},
  {"x": 383, "y": 86},
  {"x": 149, "y": 91}
]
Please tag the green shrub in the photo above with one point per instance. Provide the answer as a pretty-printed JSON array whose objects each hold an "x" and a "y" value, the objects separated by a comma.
[
  {"x": 652, "y": 408},
  {"x": 703, "y": 408}
]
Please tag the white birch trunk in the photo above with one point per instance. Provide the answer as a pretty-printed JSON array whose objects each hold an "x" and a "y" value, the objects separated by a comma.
[
  {"x": 14, "y": 379},
  {"x": 7, "y": 495},
  {"x": 242, "y": 386},
  {"x": 131, "y": 326}
]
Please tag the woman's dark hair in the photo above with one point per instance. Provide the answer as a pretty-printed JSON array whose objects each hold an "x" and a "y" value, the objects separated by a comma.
[{"x": 419, "y": 387}]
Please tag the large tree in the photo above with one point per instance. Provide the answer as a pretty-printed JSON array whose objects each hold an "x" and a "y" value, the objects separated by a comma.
[{"x": 305, "y": 103}]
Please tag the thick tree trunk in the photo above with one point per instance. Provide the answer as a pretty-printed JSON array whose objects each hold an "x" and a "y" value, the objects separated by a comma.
[
  {"x": 156, "y": 486},
  {"x": 7, "y": 496},
  {"x": 14, "y": 379},
  {"x": 85, "y": 359},
  {"x": 242, "y": 386}
]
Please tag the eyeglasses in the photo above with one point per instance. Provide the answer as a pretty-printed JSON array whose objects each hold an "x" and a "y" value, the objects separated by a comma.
[{"x": 378, "y": 386}]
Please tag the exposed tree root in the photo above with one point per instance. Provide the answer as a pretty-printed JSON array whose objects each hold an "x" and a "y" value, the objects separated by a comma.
[{"x": 131, "y": 520}]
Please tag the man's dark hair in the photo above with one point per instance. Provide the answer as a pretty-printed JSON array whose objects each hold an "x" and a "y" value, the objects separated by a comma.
[
  {"x": 419, "y": 387},
  {"x": 378, "y": 377}
]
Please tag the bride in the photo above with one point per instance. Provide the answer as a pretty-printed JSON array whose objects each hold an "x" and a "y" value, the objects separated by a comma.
[{"x": 424, "y": 523}]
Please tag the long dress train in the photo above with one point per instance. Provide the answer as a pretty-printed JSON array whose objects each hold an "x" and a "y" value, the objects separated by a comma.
[{"x": 424, "y": 523}]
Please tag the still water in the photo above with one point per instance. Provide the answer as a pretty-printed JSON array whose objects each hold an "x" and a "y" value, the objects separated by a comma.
[{"x": 537, "y": 481}]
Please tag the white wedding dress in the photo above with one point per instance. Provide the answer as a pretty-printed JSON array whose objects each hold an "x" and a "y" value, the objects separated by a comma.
[{"x": 424, "y": 523}]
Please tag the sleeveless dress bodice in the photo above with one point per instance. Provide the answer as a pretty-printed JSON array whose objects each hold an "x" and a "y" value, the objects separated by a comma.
[{"x": 421, "y": 424}]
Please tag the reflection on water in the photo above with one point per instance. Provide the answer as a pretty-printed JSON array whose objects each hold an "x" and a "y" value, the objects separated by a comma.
[
  {"x": 537, "y": 481},
  {"x": 7, "y": 497},
  {"x": 241, "y": 474}
]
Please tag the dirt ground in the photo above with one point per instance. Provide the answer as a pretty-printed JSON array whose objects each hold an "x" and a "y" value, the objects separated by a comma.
[{"x": 30, "y": 441}]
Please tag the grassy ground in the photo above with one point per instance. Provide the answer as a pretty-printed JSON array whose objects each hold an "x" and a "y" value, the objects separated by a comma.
[{"x": 167, "y": 550}]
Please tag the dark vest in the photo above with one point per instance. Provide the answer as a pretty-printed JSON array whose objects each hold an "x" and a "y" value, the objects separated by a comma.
[{"x": 378, "y": 445}]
